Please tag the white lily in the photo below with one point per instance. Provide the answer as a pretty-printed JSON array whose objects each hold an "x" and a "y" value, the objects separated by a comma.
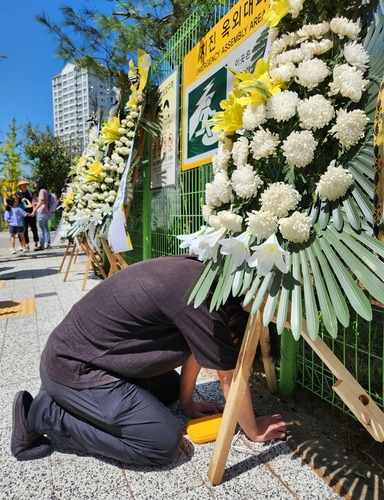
[
  {"x": 192, "y": 240},
  {"x": 267, "y": 255},
  {"x": 208, "y": 245},
  {"x": 238, "y": 247}
]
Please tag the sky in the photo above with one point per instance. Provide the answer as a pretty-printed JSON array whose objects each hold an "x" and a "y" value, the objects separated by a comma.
[{"x": 30, "y": 64}]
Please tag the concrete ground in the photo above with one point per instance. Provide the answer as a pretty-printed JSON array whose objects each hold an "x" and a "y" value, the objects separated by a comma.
[{"x": 253, "y": 471}]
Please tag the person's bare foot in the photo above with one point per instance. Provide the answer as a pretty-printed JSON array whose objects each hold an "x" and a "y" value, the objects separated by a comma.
[{"x": 270, "y": 427}]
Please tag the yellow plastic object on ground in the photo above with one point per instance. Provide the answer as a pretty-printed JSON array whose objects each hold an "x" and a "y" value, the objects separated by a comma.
[{"x": 204, "y": 429}]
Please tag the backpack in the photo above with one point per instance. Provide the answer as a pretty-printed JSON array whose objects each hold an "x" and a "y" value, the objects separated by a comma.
[{"x": 52, "y": 204}]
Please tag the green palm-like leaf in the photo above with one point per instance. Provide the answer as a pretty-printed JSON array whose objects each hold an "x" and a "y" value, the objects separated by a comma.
[
  {"x": 364, "y": 203},
  {"x": 284, "y": 298},
  {"x": 248, "y": 276},
  {"x": 356, "y": 296},
  {"x": 224, "y": 278},
  {"x": 296, "y": 302},
  {"x": 261, "y": 292},
  {"x": 311, "y": 311},
  {"x": 352, "y": 213},
  {"x": 362, "y": 270},
  {"x": 237, "y": 283},
  {"x": 271, "y": 302},
  {"x": 203, "y": 284},
  {"x": 324, "y": 214},
  {"x": 337, "y": 217},
  {"x": 326, "y": 307},
  {"x": 252, "y": 291}
]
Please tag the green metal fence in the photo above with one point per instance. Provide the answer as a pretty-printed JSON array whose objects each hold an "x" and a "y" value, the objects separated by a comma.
[{"x": 158, "y": 216}]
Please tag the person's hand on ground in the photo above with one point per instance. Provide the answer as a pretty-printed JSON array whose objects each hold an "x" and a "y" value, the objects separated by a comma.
[
  {"x": 196, "y": 409},
  {"x": 269, "y": 427}
]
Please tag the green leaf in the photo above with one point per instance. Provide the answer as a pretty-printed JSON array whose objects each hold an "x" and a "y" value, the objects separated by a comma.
[
  {"x": 337, "y": 217},
  {"x": 365, "y": 184},
  {"x": 324, "y": 214},
  {"x": 335, "y": 292},
  {"x": 311, "y": 312},
  {"x": 261, "y": 292},
  {"x": 237, "y": 282},
  {"x": 374, "y": 244},
  {"x": 364, "y": 203},
  {"x": 194, "y": 288},
  {"x": 252, "y": 291},
  {"x": 353, "y": 292},
  {"x": 248, "y": 275},
  {"x": 282, "y": 310},
  {"x": 361, "y": 270},
  {"x": 296, "y": 304},
  {"x": 352, "y": 214},
  {"x": 326, "y": 307},
  {"x": 225, "y": 276},
  {"x": 227, "y": 284},
  {"x": 270, "y": 304}
]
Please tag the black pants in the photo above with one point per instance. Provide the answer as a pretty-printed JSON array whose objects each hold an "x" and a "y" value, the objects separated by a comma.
[
  {"x": 121, "y": 420},
  {"x": 31, "y": 222}
]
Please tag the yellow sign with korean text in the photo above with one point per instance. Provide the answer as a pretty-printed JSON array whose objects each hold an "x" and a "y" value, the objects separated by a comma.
[{"x": 206, "y": 81}]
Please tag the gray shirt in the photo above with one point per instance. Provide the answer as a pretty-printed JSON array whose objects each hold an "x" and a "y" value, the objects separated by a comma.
[{"x": 137, "y": 324}]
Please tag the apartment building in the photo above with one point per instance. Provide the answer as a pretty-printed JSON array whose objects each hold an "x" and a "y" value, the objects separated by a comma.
[{"x": 78, "y": 98}]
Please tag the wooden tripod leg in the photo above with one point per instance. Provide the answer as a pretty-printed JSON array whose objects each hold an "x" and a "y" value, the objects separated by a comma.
[
  {"x": 70, "y": 261},
  {"x": 235, "y": 397},
  {"x": 64, "y": 256}
]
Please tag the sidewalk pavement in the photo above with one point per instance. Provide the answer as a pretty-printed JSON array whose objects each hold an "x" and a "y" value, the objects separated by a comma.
[{"x": 253, "y": 471}]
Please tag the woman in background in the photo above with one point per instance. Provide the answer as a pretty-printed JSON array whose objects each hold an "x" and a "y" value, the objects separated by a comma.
[{"x": 42, "y": 213}]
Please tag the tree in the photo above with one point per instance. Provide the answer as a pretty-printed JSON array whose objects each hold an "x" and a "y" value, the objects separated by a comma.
[
  {"x": 104, "y": 44},
  {"x": 50, "y": 158},
  {"x": 11, "y": 158}
]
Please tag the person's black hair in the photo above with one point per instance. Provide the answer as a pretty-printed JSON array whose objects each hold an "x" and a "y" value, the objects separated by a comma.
[
  {"x": 237, "y": 323},
  {"x": 40, "y": 184},
  {"x": 9, "y": 201}
]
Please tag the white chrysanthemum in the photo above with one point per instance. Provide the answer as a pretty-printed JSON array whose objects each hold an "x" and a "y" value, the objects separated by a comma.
[
  {"x": 294, "y": 7},
  {"x": 254, "y": 115},
  {"x": 348, "y": 80},
  {"x": 223, "y": 187},
  {"x": 315, "y": 112},
  {"x": 230, "y": 220},
  {"x": 283, "y": 72},
  {"x": 312, "y": 30},
  {"x": 263, "y": 143},
  {"x": 296, "y": 228},
  {"x": 295, "y": 56},
  {"x": 356, "y": 55},
  {"x": 315, "y": 48},
  {"x": 299, "y": 148},
  {"x": 344, "y": 27},
  {"x": 215, "y": 222},
  {"x": 211, "y": 197},
  {"x": 279, "y": 199},
  {"x": 311, "y": 73},
  {"x": 245, "y": 182},
  {"x": 273, "y": 33},
  {"x": 219, "y": 191},
  {"x": 334, "y": 183},
  {"x": 349, "y": 127},
  {"x": 206, "y": 211},
  {"x": 321, "y": 47},
  {"x": 220, "y": 159},
  {"x": 261, "y": 223},
  {"x": 282, "y": 106},
  {"x": 281, "y": 44},
  {"x": 240, "y": 151}
]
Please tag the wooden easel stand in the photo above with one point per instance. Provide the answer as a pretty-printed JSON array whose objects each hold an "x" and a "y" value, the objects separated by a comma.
[{"x": 349, "y": 390}]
